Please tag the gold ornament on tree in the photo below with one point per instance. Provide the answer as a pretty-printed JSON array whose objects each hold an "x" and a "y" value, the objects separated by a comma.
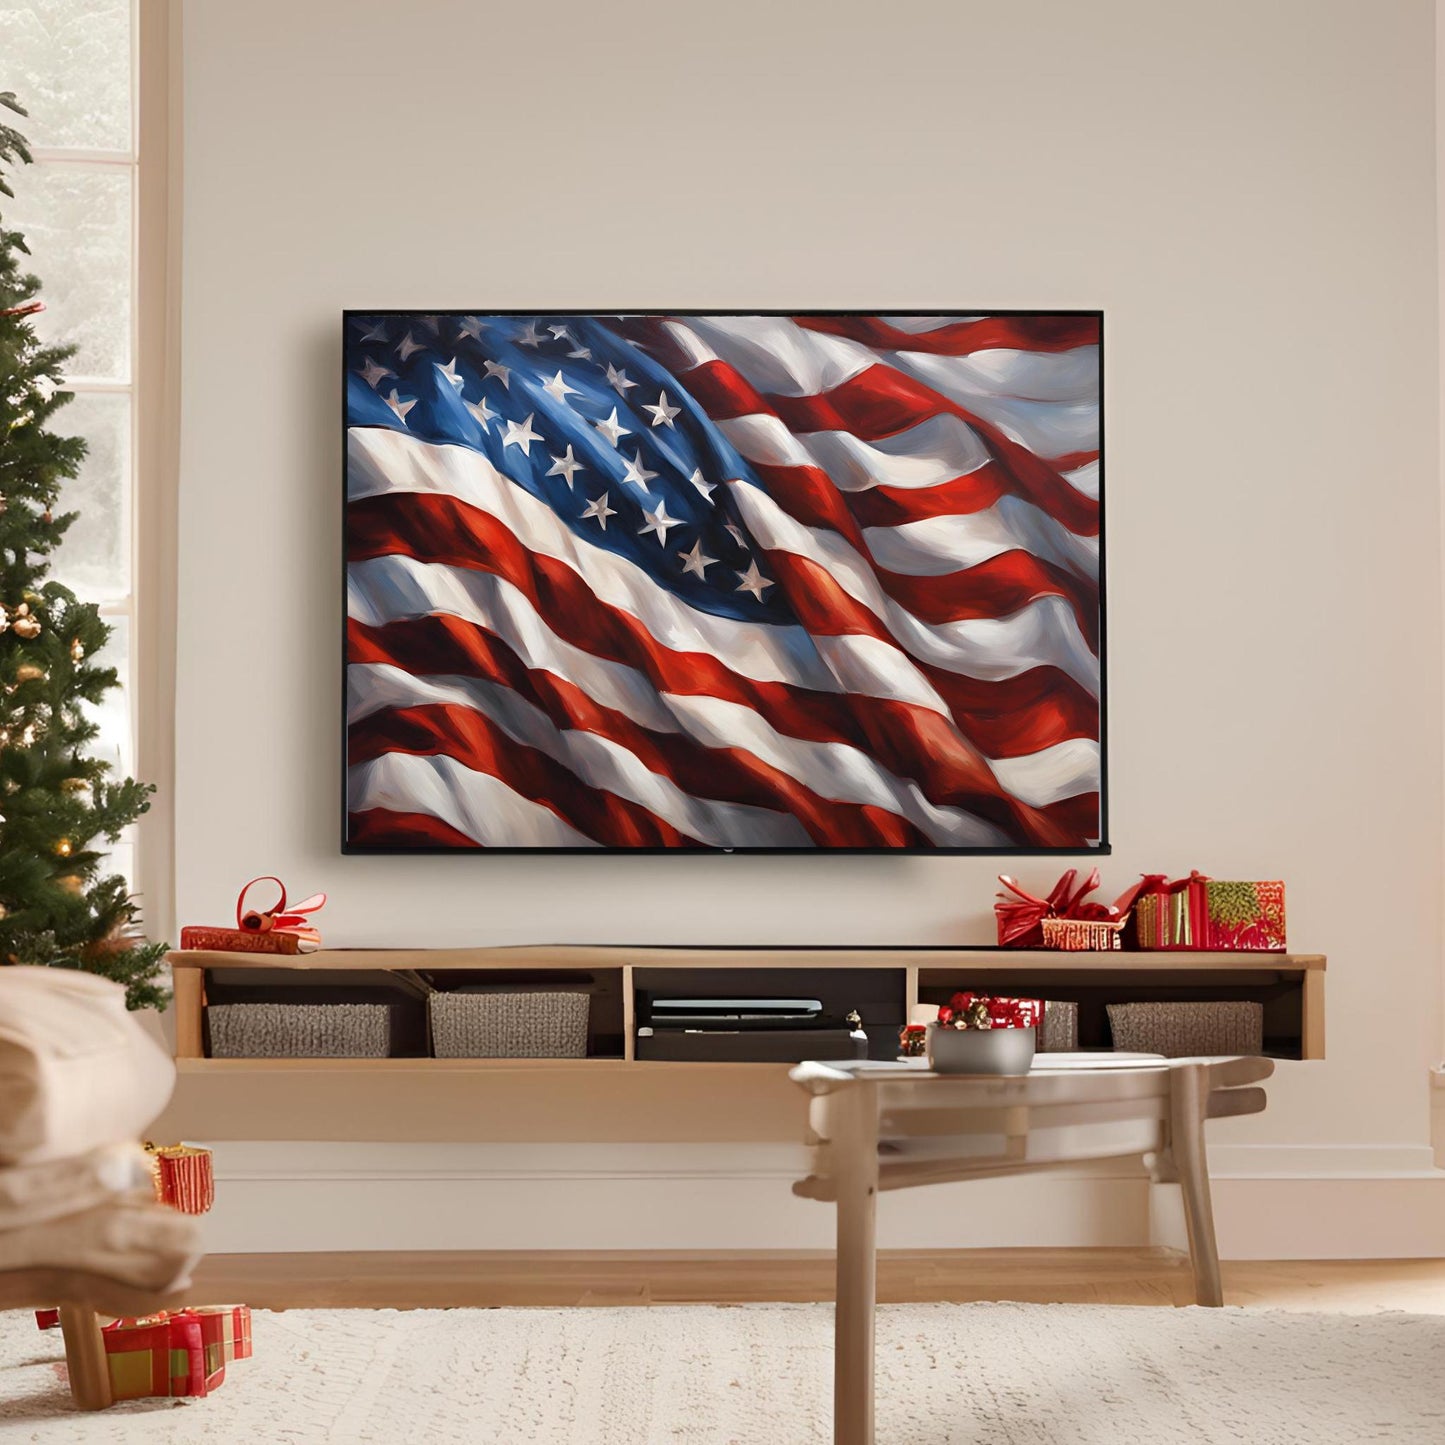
[
  {"x": 63, "y": 847},
  {"x": 29, "y": 672},
  {"x": 25, "y": 623},
  {"x": 77, "y": 650},
  {"x": 72, "y": 883},
  {"x": 74, "y": 785}
]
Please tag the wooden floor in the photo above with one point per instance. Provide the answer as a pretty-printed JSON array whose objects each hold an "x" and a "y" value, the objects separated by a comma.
[{"x": 443, "y": 1279}]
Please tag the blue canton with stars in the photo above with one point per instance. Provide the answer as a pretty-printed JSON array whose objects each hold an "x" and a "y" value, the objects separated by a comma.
[{"x": 587, "y": 421}]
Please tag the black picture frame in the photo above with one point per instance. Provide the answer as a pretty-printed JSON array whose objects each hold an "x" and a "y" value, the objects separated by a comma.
[{"x": 1102, "y": 848}]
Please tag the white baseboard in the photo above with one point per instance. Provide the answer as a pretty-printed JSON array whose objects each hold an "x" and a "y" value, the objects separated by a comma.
[{"x": 1291, "y": 1203}]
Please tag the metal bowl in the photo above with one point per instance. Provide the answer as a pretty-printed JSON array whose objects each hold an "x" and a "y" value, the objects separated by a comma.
[{"x": 980, "y": 1051}]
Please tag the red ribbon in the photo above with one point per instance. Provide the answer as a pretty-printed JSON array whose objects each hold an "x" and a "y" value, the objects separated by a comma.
[
  {"x": 1021, "y": 918},
  {"x": 28, "y": 309},
  {"x": 278, "y": 918}
]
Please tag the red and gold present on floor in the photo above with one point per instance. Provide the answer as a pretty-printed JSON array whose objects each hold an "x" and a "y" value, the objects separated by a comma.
[
  {"x": 1202, "y": 913},
  {"x": 184, "y": 1352},
  {"x": 185, "y": 1176}
]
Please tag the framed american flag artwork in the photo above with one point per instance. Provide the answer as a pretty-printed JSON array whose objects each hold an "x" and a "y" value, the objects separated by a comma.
[{"x": 740, "y": 581}]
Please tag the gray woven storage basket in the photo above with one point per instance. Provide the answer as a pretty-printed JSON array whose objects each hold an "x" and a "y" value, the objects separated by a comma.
[
  {"x": 1060, "y": 1031},
  {"x": 1185, "y": 1030},
  {"x": 299, "y": 1030},
  {"x": 539, "y": 1025}
]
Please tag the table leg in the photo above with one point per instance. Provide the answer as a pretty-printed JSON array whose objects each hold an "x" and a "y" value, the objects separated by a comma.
[
  {"x": 1188, "y": 1108},
  {"x": 85, "y": 1358},
  {"x": 855, "y": 1145}
]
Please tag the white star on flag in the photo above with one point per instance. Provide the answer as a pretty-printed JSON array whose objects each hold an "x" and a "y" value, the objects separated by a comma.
[
  {"x": 502, "y": 373},
  {"x": 472, "y": 327},
  {"x": 480, "y": 410},
  {"x": 612, "y": 429},
  {"x": 373, "y": 371},
  {"x": 407, "y": 345},
  {"x": 706, "y": 488},
  {"x": 558, "y": 389},
  {"x": 696, "y": 562},
  {"x": 521, "y": 434},
  {"x": 560, "y": 333},
  {"x": 599, "y": 511},
  {"x": 752, "y": 580},
  {"x": 637, "y": 473},
  {"x": 617, "y": 380},
  {"x": 662, "y": 414},
  {"x": 658, "y": 522},
  {"x": 530, "y": 336},
  {"x": 565, "y": 466},
  {"x": 450, "y": 372},
  {"x": 377, "y": 333},
  {"x": 400, "y": 404}
]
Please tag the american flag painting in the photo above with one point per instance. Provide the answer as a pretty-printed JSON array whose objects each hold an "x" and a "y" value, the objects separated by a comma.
[{"x": 724, "y": 581}]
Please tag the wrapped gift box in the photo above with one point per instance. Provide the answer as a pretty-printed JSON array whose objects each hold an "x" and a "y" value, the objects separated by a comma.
[
  {"x": 1247, "y": 916},
  {"x": 162, "y": 1354},
  {"x": 1206, "y": 914},
  {"x": 181, "y": 1352},
  {"x": 227, "y": 1327}
]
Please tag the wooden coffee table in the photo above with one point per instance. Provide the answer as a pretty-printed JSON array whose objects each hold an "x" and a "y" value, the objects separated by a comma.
[{"x": 879, "y": 1126}]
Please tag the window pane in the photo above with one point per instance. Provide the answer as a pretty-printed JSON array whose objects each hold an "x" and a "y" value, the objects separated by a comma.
[
  {"x": 112, "y": 714},
  {"x": 94, "y": 558},
  {"x": 68, "y": 62},
  {"x": 76, "y": 220}
]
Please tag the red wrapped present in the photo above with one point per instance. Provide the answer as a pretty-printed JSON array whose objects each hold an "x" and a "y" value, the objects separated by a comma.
[
  {"x": 163, "y": 1354},
  {"x": 226, "y": 1327},
  {"x": 1201, "y": 914},
  {"x": 282, "y": 928},
  {"x": 185, "y": 1176},
  {"x": 1245, "y": 916},
  {"x": 1021, "y": 917}
]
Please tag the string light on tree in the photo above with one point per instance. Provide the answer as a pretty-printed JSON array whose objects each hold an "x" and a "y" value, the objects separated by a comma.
[
  {"x": 77, "y": 650},
  {"x": 63, "y": 847}
]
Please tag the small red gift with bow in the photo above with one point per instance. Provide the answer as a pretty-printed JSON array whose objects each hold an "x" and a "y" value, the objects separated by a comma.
[
  {"x": 281, "y": 928},
  {"x": 1068, "y": 918}
]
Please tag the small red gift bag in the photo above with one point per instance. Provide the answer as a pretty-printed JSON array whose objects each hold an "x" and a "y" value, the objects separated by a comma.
[{"x": 185, "y": 1176}]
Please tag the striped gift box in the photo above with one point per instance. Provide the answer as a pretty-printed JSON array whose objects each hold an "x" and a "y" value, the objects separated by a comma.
[{"x": 185, "y": 1177}]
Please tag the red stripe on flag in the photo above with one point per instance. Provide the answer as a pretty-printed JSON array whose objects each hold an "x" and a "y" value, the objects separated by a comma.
[
  {"x": 960, "y": 338},
  {"x": 386, "y": 828}
]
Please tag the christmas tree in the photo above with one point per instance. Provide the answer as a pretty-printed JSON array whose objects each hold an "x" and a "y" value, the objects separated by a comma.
[{"x": 57, "y": 907}]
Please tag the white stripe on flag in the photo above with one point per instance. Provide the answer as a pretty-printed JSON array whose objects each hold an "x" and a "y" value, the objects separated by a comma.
[
  {"x": 1046, "y": 428},
  {"x": 1040, "y": 376},
  {"x": 936, "y": 546},
  {"x": 1051, "y": 774},
  {"x": 477, "y": 804},
  {"x": 774, "y": 355},
  {"x": 926, "y": 455}
]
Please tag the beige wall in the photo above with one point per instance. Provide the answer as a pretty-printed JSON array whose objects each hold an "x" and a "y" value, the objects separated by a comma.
[{"x": 1246, "y": 188}]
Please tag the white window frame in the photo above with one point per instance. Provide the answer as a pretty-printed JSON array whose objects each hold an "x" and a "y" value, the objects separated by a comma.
[{"x": 148, "y": 606}]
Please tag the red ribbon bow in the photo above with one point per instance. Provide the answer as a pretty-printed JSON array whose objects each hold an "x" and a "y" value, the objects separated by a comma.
[
  {"x": 278, "y": 918},
  {"x": 1020, "y": 919}
]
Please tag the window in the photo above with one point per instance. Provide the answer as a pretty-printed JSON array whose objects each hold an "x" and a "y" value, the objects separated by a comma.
[{"x": 73, "y": 65}]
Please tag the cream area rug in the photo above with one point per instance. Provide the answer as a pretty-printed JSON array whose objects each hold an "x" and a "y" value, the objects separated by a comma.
[{"x": 995, "y": 1374}]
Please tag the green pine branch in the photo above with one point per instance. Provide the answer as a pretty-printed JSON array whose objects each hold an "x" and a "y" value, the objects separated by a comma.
[{"x": 59, "y": 805}]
